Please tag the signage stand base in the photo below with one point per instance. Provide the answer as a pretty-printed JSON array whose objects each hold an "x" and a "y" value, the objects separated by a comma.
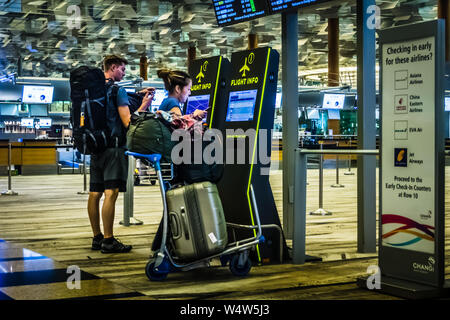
[{"x": 407, "y": 289}]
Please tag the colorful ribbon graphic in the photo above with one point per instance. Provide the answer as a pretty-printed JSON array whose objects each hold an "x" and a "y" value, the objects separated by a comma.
[{"x": 408, "y": 224}]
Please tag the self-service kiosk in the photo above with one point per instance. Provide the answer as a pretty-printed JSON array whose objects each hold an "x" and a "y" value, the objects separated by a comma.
[
  {"x": 209, "y": 80},
  {"x": 246, "y": 124}
]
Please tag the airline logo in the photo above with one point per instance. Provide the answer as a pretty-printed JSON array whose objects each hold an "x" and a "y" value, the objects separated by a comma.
[
  {"x": 401, "y": 104},
  {"x": 401, "y": 157}
]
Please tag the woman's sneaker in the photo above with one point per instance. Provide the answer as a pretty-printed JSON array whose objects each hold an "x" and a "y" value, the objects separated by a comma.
[
  {"x": 97, "y": 242},
  {"x": 113, "y": 245}
]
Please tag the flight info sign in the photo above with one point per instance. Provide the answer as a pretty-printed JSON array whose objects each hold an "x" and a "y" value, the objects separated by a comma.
[{"x": 408, "y": 145}]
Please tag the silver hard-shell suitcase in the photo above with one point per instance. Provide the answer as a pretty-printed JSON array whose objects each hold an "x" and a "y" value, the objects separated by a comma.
[{"x": 197, "y": 222}]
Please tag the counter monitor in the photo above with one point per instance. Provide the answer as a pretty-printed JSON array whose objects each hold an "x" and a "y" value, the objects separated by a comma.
[
  {"x": 313, "y": 114},
  {"x": 333, "y": 101},
  {"x": 27, "y": 122},
  {"x": 241, "y": 105},
  {"x": 234, "y": 11},
  {"x": 160, "y": 95},
  {"x": 45, "y": 123},
  {"x": 278, "y": 100},
  {"x": 334, "y": 114},
  {"x": 37, "y": 94}
]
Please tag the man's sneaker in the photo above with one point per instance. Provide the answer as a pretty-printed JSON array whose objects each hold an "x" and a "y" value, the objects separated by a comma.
[
  {"x": 97, "y": 242},
  {"x": 113, "y": 245}
]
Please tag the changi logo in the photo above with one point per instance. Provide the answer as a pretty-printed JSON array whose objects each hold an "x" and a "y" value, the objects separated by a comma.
[
  {"x": 427, "y": 215},
  {"x": 424, "y": 268},
  {"x": 401, "y": 157},
  {"x": 199, "y": 77},
  {"x": 245, "y": 68}
]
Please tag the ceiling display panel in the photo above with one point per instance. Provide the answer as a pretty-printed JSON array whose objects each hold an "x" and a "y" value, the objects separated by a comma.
[{"x": 48, "y": 38}]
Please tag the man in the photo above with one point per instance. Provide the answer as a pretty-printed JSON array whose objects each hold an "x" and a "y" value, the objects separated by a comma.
[{"x": 109, "y": 170}]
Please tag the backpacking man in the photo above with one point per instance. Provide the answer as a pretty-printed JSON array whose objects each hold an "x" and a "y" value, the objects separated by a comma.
[{"x": 109, "y": 169}]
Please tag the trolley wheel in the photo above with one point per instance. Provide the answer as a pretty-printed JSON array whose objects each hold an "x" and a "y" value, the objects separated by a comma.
[
  {"x": 159, "y": 275},
  {"x": 152, "y": 182},
  {"x": 240, "y": 270}
]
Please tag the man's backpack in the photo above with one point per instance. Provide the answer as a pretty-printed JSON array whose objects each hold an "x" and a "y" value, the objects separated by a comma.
[{"x": 88, "y": 93}]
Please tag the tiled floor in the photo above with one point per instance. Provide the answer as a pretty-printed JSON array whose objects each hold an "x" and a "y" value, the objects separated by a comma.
[{"x": 28, "y": 275}]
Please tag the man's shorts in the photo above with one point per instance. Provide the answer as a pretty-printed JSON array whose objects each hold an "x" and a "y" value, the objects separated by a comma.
[{"x": 109, "y": 170}]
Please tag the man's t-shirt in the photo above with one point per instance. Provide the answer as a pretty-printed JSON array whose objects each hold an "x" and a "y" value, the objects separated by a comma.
[
  {"x": 113, "y": 119},
  {"x": 169, "y": 103}
]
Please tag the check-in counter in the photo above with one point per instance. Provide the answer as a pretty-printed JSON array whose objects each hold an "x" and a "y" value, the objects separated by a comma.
[{"x": 32, "y": 156}]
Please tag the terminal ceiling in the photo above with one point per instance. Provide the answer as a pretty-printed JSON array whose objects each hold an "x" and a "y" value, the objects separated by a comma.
[{"x": 37, "y": 33}]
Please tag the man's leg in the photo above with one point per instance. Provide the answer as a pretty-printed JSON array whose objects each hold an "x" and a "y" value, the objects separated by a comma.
[
  {"x": 108, "y": 211},
  {"x": 94, "y": 211}
]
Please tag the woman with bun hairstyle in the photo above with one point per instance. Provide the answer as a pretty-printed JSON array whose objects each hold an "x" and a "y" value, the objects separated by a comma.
[{"x": 178, "y": 84}]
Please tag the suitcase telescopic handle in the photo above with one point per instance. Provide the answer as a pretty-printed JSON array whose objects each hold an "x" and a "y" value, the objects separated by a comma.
[{"x": 184, "y": 221}]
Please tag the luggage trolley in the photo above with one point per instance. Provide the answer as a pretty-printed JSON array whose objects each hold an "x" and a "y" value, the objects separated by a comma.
[{"x": 236, "y": 253}]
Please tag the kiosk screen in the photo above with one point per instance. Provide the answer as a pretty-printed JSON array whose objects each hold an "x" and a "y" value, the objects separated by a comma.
[
  {"x": 197, "y": 102},
  {"x": 447, "y": 103},
  {"x": 241, "y": 105},
  {"x": 37, "y": 94},
  {"x": 333, "y": 101}
]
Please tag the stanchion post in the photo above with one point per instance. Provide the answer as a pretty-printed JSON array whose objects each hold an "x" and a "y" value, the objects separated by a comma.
[
  {"x": 349, "y": 163},
  {"x": 337, "y": 184},
  {"x": 320, "y": 211},
  {"x": 84, "y": 168},
  {"x": 128, "y": 198},
  {"x": 9, "y": 192}
]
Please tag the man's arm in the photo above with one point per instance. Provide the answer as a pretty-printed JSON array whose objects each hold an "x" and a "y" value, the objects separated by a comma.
[{"x": 124, "y": 111}]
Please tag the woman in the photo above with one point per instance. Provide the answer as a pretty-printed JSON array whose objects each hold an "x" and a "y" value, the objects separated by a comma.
[{"x": 178, "y": 84}]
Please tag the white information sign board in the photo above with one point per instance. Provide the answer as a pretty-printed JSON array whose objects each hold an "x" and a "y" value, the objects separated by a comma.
[{"x": 408, "y": 162}]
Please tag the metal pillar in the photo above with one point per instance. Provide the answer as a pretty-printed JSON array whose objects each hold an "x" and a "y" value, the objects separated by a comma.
[
  {"x": 289, "y": 40},
  {"x": 333, "y": 52},
  {"x": 366, "y": 128}
]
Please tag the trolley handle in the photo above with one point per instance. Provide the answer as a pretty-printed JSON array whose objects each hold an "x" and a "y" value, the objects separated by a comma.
[{"x": 154, "y": 159}]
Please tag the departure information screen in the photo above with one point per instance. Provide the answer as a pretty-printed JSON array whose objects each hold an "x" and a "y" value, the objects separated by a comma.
[
  {"x": 282, "y": 5},
  {"x": 241, "y": 105},
  {"x": 235, "y": 11}
]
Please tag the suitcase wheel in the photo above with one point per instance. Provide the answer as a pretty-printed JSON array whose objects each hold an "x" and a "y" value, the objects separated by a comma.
[
  {"x": 157, "y": 275},
  {"x": 240, "y": 266}
]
